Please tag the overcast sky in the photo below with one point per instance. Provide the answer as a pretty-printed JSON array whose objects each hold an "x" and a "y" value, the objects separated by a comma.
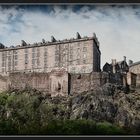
[{"x": 117, "y": 27}]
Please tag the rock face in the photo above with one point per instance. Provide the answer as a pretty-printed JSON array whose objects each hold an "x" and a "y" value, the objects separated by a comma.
[{"x": 108, "y": 104}]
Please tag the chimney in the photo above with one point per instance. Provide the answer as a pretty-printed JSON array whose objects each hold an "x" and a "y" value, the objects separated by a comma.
[
  {"x": 53, "y": 39},
  {"x": 130, "y": 62},
  {"x": 113, "y": 65},
  {"x": 43, "y": 40},
  {"x": 94, "y": 35},
  {"x": 78, "y": 36},
  {"x": 124, "y": 58},
  {"x": 23, "y": 43}
]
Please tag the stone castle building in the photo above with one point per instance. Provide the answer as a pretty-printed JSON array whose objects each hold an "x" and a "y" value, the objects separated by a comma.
[
  {"x": 61, "y": 68},
  {"x": 76, "y": 55},
  {"x": 57, "y": 67}
]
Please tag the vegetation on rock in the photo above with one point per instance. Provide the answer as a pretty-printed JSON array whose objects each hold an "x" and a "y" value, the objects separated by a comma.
[{"x": 89, "y": 113}]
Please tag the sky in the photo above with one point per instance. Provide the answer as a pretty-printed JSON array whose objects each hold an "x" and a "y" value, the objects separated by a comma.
[{"x": 117, "y": 27}]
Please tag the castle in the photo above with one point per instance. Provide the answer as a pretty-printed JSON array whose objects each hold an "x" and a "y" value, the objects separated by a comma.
[
  {"x": 59, "y": 67},
  {"x": 53, "y": 66},
  {"x": 79, "y": 55}
]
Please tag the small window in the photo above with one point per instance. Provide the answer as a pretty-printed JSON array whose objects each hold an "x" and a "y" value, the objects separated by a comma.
[
  {"x": 84, "y": 61},
  {"x": 38, "y": 62},
  {"x": 16, "y": 63},
  {"x": 33, "y": 49},
  {"x": 9, "y": 58},
  {"x": 78, "y": 61},
  {"x": 84, "y": 49},
  {"x": 33, "y": 55},
  {"x": 16, "y": 57},
  {"x": 3, "y": 69},
  {"x": 33, "y": 61},
  {"x": 3, "y": 64}
]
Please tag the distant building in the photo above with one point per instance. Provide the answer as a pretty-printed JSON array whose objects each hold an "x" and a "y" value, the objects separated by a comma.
[
  {"x": 116, "y": 67},
  {"x": 119, "y": 73},
  {"x": 76, "y": 55},
  {"x": 135, "y": 68}
]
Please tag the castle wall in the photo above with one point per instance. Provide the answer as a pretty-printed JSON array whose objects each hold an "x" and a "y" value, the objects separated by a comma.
[
  {"x": 21, "y": 81},
  {"x": 3, "y": 83},
  {"x": 85, "y": 82},
  {"x": 56, "y": 83},
  {"x": 136, "y": 70},
  {"x": 131, "y": 79}
]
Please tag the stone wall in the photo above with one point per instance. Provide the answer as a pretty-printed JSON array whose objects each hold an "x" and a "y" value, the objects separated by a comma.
[
  {"x": 138, "y": 80},
  {"x": 21, "y": 81},
  {"x": 85, "y": 82},
  {"x": 54, "y": 83},
  {"x": 57, "y": 82},
  {"x": 135, "y": 68},
  {"x": 3, "y": 83},
  {"x": 131, "y": 79}
]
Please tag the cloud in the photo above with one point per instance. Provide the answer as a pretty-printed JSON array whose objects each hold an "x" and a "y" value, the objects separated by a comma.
[{"x": 117, "y": 27}]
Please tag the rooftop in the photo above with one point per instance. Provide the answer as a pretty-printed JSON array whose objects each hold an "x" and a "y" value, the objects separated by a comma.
[
  {"x": 133, "y": 64},
  {"x": 52, "y": 42}
]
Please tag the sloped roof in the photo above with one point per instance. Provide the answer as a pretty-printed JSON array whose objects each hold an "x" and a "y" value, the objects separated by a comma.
[{"x": 133, "y": 64}]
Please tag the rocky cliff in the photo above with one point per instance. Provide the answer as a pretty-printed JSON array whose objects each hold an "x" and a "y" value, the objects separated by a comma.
[{"x": 107, "y": 103}]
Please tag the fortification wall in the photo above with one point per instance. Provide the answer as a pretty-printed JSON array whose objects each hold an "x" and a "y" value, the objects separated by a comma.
[
  {"x": 3, "y": 83},
  {"x": 34, "y": 80},
  {"x": 85, "y": 82},
  {"x": 55, "y": 83}
]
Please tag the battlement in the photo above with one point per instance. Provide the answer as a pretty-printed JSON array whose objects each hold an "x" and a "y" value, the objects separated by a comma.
[{"x": 52, "y": 42}]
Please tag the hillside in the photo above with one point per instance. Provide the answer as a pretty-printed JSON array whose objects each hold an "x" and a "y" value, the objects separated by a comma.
[{"x": 107, "y": 110}]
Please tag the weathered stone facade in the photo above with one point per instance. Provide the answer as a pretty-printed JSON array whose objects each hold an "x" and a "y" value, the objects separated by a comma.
[
  {"x": 135, "y": 68},
  {"x": 87, "y": 82},
  {"x": 55, "y": 83},
  {"x": 120, "y": 74},
  {"x": 79, "y": 55}
]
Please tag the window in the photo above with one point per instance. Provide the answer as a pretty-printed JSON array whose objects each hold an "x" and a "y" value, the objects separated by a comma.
[
  {"x": 16, "y": 63},
  {"x": 3, "y": 69},
  {"x": 38, "y": 62},
  {"x": 38, "y": 52},
  {"x": 9, "y": 63},
  {"x": 33, "y": 49},
  {"x": 26, "y": 56},
  {"x": 9, "y": 68},
  {"x": 84, "y": 49},
  {"x": 9, "y": 58},
  {"x": 45, "y": 56},
  {"x": 84, "y": 61},
  {"x": 78, "y": 56},
  {"x": 16, "y": 57},
  {"x": 3, "y": 64},
  {"x": 78, "y": 61},
  {"x": 33, "y": 55},
  {"x": 33, "y": 61}
]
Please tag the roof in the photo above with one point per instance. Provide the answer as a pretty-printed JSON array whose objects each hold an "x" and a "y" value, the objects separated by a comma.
[
  {"x": 133, "y": 64},
  {"x": 49, "y": 43}
]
